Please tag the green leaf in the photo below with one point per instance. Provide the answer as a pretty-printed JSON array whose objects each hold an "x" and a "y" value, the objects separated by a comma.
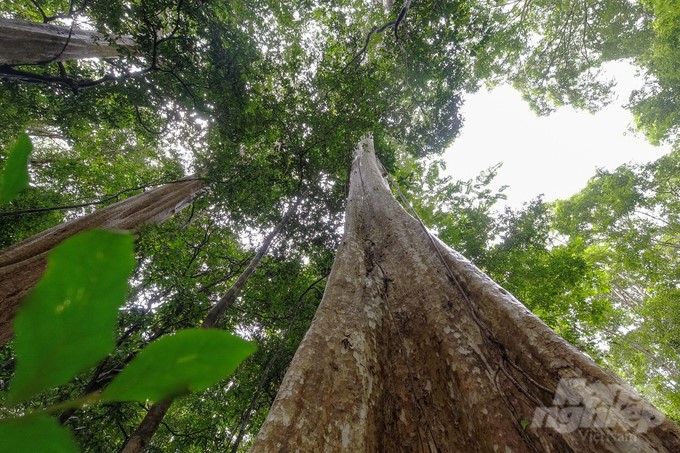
[
  {"x": 524, "y": 423},
  {"x": 67, "y": 322},
  {"x": 15, "y": 177},
  {"x": 35, "y": 433},
  {"x": 189, "y": 361}
]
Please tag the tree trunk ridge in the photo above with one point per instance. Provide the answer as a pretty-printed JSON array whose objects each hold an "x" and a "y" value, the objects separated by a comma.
[
  {"x": 399, "y": 358},
  {"x": 22, "y": 264}
]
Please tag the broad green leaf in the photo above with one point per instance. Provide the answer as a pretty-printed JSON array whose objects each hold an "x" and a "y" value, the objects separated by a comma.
[
  {"x": 189, "y": 361},
  {"x": 15, "y": 177},
  {"x": 67, "y": 322},
  {"x": 37, "y": 433}
]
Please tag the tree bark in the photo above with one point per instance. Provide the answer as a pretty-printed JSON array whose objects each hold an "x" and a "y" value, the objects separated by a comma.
[
  {"x": 151, "y": 421},
  {"x": 145, "y": 431},
  {"x": 22, "y": 264},
  {"x": 415, "y": 349},
  {"x": 23, "y": 43}
]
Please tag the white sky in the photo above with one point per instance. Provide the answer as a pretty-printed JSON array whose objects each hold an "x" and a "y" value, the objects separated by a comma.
[{"x": 554, "y": 155}]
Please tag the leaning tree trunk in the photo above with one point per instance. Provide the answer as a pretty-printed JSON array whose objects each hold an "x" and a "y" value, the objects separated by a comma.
[
  {"x": 138, "y": 442},
  {"x": 414, "y": 349},
  {"x": 22, "y": 264},
  {"x": 23, "y": 42}
]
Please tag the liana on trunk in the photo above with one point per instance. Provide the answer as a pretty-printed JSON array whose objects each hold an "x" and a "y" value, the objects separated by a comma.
[{"x": 414, "y": 349}]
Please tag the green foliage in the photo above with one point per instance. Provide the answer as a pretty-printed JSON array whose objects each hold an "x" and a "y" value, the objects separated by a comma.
[
  {"x": 35, "y": 433},
  {"x": 14, "y": 178},
  {"x": 599, "y": 268},
  {"x": 656, "y": 107},
  {"x": 189, "y": 361},
  {"x": 460, "y": 212},
  {"x": 78, "y": 298},
  {"x": 260, "y": 100},
  {"x": 66, "y": 325},
  {"x": 553, "y": 51},
  {"x": 15, "y": 228},
  {"x": 627, "y": 221}
]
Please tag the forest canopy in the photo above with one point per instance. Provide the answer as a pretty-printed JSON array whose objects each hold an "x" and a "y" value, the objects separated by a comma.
[{"x": 254, "y": 109}]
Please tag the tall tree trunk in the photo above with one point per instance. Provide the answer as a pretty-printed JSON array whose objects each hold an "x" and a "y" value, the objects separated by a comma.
[
  {"x": 22, "y": 264},
  {"x": 23, "y": 42},
  {"x": 414, "y": 349},
  {"x": 138, "y": 442}
]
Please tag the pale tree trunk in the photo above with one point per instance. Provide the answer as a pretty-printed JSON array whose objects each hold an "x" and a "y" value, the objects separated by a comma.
[
  {"x": 23, "y": 42},
  {"x": 387, "y": 4},
  {"x": 22, "y": 264},
  {"x": 414, "y": 349},
  {"x": 140, "y": 439}
]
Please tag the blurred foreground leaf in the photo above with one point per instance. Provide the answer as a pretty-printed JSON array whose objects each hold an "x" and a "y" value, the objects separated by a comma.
[
  {"x": 189, "y": 361},
  {"x": 15, "y": 177},
  {"x": 38, "y": 433},
  {"x": 68, "y": 320}
]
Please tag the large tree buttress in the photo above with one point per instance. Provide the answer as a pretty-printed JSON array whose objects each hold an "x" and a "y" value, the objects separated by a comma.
[{"x": 414, "y": 349}]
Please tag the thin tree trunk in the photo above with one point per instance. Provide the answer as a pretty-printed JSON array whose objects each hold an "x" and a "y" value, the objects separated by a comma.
[
  {"x": 248, "y": 414},
  {"x": 216, "y": 313},
  {"x": 22, "y": 264},
  {"x": 147, "y": 428},
  {"x": 149, "y": 425},
  {"x": 23, "y": 42},
  {"x": 265, "y": 379},
  {"x": 415, "y": 349}
]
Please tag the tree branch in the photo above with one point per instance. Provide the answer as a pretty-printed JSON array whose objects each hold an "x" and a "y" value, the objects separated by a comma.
[
  {"x": 40, "y": 10},
  {"x": 361, "y": 53},
  {"x": 400, "y": 18}
]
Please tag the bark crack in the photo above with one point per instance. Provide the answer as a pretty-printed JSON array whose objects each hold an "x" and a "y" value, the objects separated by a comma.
[
  {"x": 486, "y": 332},
  {"x": 417, "y": 403}
]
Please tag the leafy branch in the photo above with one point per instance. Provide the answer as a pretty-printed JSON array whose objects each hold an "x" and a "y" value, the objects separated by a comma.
[{"x": 376, "y": 30}]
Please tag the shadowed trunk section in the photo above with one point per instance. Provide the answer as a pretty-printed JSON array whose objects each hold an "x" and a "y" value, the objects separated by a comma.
[
  {"x": 140, "y": 439},
  {"x": 22, "y": 264},
  {"x": 145, "y": 431},
  {"x": 24, "y": 43},
  {"x": 415, "y": 349}
]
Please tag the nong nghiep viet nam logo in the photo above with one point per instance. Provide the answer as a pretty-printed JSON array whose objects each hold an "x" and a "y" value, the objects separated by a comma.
[{"x": 579, "y": 404}]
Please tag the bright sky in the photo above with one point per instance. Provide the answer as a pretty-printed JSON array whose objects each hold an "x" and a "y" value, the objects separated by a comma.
[{"x": 554, "y": 155}]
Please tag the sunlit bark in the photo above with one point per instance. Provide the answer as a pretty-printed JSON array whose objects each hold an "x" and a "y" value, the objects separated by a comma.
[
  {"x": 23, "y": 42},
  {"x": 22, "y": 264},
  {"x": 414, "y": 349}
]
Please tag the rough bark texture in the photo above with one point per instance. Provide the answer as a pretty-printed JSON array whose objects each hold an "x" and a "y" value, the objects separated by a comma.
[
  {"x": 414, "y": 349},
  {"x": 23, "y": 42},
  {"x": 22, "y": 264}
]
